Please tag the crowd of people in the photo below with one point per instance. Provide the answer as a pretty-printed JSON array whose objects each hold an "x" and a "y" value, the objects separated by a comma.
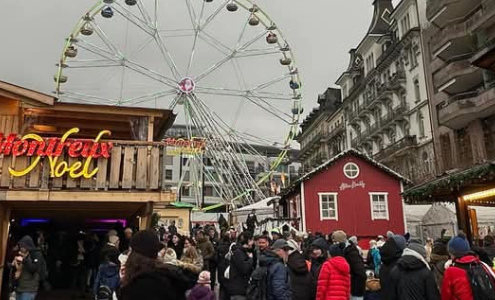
[{"x": 162, "y": 264}]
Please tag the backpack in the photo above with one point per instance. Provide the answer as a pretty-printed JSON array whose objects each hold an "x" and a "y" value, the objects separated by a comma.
[
  {"x": 104, "y": 293},
  {"x": 481, "y": 280},
  {"x": 257, "y": 287},
  {"x": 107, "y": 284},
  {"x": 228, "y": 257}
]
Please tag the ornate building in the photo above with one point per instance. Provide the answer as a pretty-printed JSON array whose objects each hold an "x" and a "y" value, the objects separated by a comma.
[
  {"x": 385, "y": 101},
  {"x": 323, "y": 134},
  {"x": 459, "y": 45}
]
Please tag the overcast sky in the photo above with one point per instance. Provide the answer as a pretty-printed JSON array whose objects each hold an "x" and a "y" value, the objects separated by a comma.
[{"x": 321, "y": 32}]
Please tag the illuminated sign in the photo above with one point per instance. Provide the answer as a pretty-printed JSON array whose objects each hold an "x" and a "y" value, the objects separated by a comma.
[
  {"x": 193, "y": 146},
  {"x": 33, "y": 145}
]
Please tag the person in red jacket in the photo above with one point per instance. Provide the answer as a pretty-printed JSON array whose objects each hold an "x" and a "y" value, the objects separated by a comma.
[
  {"x": 334, "y": 282},
  {"x": 456, "y": 285}
]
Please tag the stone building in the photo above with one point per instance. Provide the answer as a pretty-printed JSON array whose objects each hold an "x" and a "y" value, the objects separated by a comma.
[
  {"x": 322, "y": 131},
  {"x": 384, "y": 94},
  {"x": 459, "y": 46}
]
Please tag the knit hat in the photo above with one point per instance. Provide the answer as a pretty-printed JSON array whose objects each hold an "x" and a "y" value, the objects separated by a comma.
[
  {"x": 113, "y": 239},
  {"x": 170, "y": 257},
  {"x": 458, "y": 246},
  {"x": 390, "y": 234},
  {"x": 353, "y": 239},
  {"x": 417, "y": 246},
  {"x": 27, "y": 243},
  {"x": 488, "y": 241},
  {"x": 146, "y": 243},
  {"x": 440, "y": 248},
  {"x": 293, "y": 244},
  {"x": 112, "y": 232},
  {"x": 281, "y": 244},
  {"x": 204, "y": 278},
  {"x": 320, "y": 243},
  {"x": 337, "y": 250},
  {"x": 400, "y": 241},
  {"x": 275, "y": 231},
  {"x": 339, "y": 236}
]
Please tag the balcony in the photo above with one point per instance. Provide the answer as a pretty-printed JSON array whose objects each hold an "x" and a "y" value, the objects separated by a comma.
[
  {"x": 441, "y": 12},
  {"x": 355, "y": 142},
  {"x": 397, "y": 148},
  {"x": 398, "y": 79},
  {"x": 463, "y": 108},
  {"x": 340, "y": 129},
  {"x": 316, "y": 140},
  {"x": 458, "y": 76}
]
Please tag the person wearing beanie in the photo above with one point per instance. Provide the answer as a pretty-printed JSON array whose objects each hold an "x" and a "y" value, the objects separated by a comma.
[
  {"x": 374, "y": 260},
  {"x": 300, "y": 277},
  {"x": 28, "y": 265},
  {"x": 411, "y": 278},
  {"x": 390, "y": 234},
  {"x": 339, "y": 236},
  {"x": 170, "y": 257},
  {"x": 334, "y": 282},
  {"x": 146, "y": 276},
  {"x": 241, "y": 265},
  {"x": 390, "y": 253},
  {"x": 438, "y": 258},
  {"x": 456, "y": 284},
  {"x": 275, "y": 232},
  {"x": 318, "y": 256},
  {"x": 489, "y": 246},
  {"x": 358, "y": 272},
  {"x": 202, "y": 290}
]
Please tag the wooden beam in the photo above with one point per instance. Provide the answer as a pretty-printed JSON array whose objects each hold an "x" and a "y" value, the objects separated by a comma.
[
  {"x": 21, "y": 93},
  {"x": 151, "y": 121},
  {"x": 4, "y": 236},
  {"x": 89, "y": 196}
]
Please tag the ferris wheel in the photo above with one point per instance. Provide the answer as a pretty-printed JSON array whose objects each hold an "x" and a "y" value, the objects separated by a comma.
[{"x": 223, "y": 66}]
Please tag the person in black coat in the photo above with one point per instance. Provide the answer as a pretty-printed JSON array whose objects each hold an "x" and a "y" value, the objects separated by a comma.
[
  {"x": 358, "y": 272},
  {"x": 222, "y": 250},
  {"x": 300, "y": 277},
  {"x": 411, "y": 278},
  {"x": 241, "y": 266},
  {"x": 390, "y": 252},
  {"x": 146, "y": 277}
]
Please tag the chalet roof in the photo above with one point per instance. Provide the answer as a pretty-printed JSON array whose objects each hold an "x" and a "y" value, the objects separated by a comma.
[
  {"x": 332, "y": 161},
  {"x": 381, "y": 17},
  {"x": 16, "y": 92}
]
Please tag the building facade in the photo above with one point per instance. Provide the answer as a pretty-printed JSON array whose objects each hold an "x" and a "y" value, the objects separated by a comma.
[
  {"x": 385, "y": 101},
  {"x": 351, "y": 192},
  {"x": 458, "y": 43},
  {"x": 323, "y": 133}
]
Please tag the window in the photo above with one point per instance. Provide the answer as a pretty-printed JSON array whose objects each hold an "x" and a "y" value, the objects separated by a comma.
[
  {"x": 328, "y": 206},
  {"x": 185, "y": 160},
  {"x": 379, "y": 206},
  {"x": 421, "y": 124},
  {"x": 186, "y": 191},
  {"x": 208, "y": 191},
  {"x": 351, "y": 170},
  {"x": 169, "y": 174},
  {"x": 417, "y": 91},
  {"x": 187, "y": 177},
  {"x": 169, "y": 160}
]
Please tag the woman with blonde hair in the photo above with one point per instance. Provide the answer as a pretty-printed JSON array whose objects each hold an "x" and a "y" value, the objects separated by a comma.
[{"x": 191, "y": 262}]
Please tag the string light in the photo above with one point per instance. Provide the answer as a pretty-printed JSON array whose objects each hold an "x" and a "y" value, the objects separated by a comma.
[{"x": 480, "y": 195}]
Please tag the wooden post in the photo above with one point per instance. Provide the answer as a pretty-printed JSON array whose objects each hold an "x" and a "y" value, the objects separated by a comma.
[
  {"x": 4, "y": 235},
  {"x": 145, "y": 216},
  {"x": 462, "y": 213},
  {"x": 151, "y": 122}
]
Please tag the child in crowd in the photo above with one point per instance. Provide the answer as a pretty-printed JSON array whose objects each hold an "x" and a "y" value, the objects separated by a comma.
[{"x": 202, "y": 290}]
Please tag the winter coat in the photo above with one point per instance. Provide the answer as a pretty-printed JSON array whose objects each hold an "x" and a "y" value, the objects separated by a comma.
[
  {"x": 490, "y": 251},
  {"x": 300, "y": 277},
  {"x": 412, "y": 280},
  {"x": 358, "y": 272},
  {"x": 201, "y": 292},
  {"x": 241, "y": 266},
  {"x": 437, "y": 263},
  {"x": 108, "y": 275},
  {"x": 390, "y": 254},
  {"x": 163, "y": 283},
  {"x": 376, "y": 260},
  {"x": 334, "y": 282},
  {"x": 207, "y": 251},
  {"x": 109, "y": 253},
  {"x": 278, "y": 281},
  {"x": 222, "y": 250},
  {"x": 28, "y": 282},
  {"x": 456, "y": 285}
]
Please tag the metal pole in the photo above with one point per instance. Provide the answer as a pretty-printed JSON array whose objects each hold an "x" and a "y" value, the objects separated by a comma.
[
  {"x": 203, "y": 182},
  {"x": 180, "y": 176}
]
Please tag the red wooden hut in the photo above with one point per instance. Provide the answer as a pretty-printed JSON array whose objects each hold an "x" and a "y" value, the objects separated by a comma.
[{"x": 350, "y": 192}]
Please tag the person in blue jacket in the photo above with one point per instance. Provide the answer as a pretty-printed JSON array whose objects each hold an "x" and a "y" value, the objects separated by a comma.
[{"x": 278, "y": 282}]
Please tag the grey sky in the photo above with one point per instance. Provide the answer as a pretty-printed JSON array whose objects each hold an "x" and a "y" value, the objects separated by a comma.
[{"x": 320, "y": 32}]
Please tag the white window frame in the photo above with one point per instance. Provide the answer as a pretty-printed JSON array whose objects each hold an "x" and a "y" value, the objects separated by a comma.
[
  {"x": 320, "y": 197},
  {"x": 358, "y": 170},
  {"x": 386, "y": 205}
]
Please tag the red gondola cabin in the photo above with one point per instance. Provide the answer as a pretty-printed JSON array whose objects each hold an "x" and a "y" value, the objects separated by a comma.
[{"x": 350, "y": 192}]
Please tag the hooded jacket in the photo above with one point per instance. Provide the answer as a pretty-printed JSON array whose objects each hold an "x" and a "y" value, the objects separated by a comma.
[
  {"x": 390, "y": 254},
  {"x": 334, "y": 282},
  {"x": 358, "y": 272},
  {"x": 30, "y": 277},
  {"x": 108, "y": 275},
  {"x": 455, "y": 285},
  {"x": 300, "y": 277},
  {"x": 241, "y": 266},
  {"x": 278, "y": 281},
  {"x": 201, "y": 292},
  {"x": 207, "y": 251},
  {"x": 411, "y": 279},
  {"x": 163, "y": 283}
]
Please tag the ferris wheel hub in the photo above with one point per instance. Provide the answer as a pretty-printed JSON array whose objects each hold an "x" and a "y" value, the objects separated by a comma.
[{"x": 187, "y": 85}]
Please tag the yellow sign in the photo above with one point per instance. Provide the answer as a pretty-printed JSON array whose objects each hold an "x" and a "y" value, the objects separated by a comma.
[
  {"x": 179, "y": 146},
  {"x": 53, "y": 149}
]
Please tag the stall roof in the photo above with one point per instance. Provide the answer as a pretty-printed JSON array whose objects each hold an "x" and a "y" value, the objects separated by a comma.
[
  {"x": 324, "y": 166},
  {"x": 16, "y": 92},
  {"x": 260, "y": 205},
  {"x": 447, "y": 187}
]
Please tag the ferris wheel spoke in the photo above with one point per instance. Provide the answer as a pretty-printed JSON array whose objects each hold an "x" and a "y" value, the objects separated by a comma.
[
  {"x": 274, "y": 111},
  {"x": 106, "y": 54},
  {"x": 210, "y": 18},
  {"x": 258, "y": 52},
  {"x": 215, "y": 43},
  {"x": 271, "y": 82},
  {"x": 149, "y": 97},
  {"x": 192, "y": 14},
  {"x": 198, "y": 29},
  {"x": 167, "y": 56},
  {"x": 176, "y": 33},
  {"x": 104, "y": 37},
  {"x": 242, "y": 93},
  {"x": 146, "y": 15},
  {"x": 131, "y": 17},
  {"x": 87, "y": 98},
  {"x": 92, "y": 63},
  {"x": 149, "y": 73}
]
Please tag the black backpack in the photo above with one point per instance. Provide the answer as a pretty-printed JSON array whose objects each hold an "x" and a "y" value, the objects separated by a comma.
[
  {"x": 257, "y": 287},
  {"x": 481, "y": 280}
]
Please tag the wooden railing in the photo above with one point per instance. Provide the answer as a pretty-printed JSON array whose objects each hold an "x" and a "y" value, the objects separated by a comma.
[{"x": 138, "y": 166}]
